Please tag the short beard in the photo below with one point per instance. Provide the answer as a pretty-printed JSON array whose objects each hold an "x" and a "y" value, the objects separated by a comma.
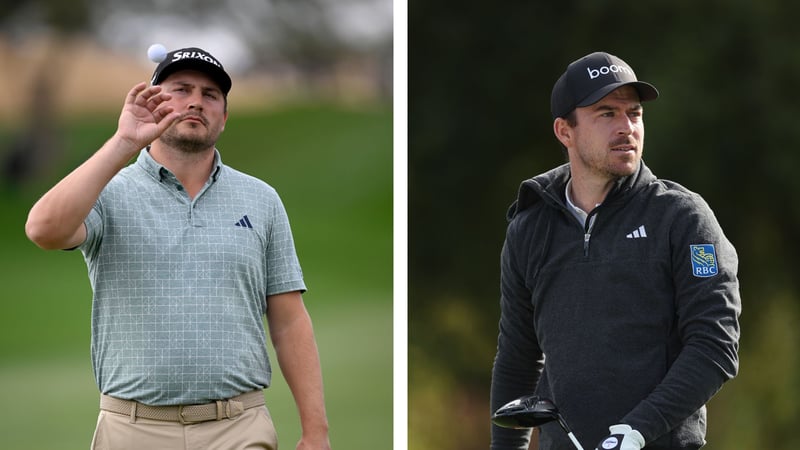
[{"x": 186, "y": 144}]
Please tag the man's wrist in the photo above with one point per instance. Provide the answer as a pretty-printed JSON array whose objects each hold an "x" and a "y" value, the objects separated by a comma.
[
  {"x": 316, "y": 440},
  {"x": 315, "y": 429}
]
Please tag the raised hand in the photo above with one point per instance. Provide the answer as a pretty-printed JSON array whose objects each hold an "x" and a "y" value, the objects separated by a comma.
[{"x": 144, "y": 116}]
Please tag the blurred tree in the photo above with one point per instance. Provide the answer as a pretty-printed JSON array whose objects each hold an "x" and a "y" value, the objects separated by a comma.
[
  {"x": 479, "y": 123},
  {"x": 36, "y": 144}
]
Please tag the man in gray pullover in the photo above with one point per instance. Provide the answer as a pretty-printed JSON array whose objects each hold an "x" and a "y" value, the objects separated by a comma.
[{"x": 619, "y": 294}]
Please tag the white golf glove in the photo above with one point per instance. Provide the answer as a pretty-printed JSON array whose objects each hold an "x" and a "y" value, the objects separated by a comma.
[{"x": 622, "y": 437}]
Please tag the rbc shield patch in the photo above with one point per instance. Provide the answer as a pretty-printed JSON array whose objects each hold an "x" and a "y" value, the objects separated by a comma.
[{"x": 704, "y": 260}]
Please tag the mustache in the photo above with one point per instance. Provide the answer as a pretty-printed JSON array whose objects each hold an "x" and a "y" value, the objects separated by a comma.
[
  {"x": 195, "y": 115},
  {"x": 623, "y": 141}
]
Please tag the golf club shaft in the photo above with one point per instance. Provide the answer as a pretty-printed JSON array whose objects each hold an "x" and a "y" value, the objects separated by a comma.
[
  {"x": 574, "y": 441},
  {"x": 567, "y": 430}
]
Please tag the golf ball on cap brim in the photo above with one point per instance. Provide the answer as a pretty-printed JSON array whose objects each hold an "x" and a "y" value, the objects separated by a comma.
[{"x": 157, "y": 53}]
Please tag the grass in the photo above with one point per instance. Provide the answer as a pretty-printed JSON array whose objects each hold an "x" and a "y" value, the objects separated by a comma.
[
  {"x": 332, "y": 167},
  {"x": 57, "y": 392}
]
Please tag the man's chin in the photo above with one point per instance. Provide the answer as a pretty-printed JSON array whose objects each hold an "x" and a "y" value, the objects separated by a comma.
[
  {"x": 187, "y": 144},
  {"x": 626, "y": 171}
]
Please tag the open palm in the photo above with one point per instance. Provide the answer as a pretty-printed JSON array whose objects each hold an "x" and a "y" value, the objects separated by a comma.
[{"x": 144, "y": 116}]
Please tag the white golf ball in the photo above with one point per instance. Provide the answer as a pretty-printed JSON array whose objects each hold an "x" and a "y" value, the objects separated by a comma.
[{"x": 157, "y": 53}]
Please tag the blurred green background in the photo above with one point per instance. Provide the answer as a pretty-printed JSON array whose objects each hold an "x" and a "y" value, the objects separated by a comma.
[
  {"x": 725, "y": 125},
  {"x": 312, "y": 120},
  {"x": 332, "y": 167}
]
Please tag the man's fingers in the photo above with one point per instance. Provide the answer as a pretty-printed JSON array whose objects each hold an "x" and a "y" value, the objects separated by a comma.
[
  {"x": 148, "y": 97},
  {"x": 162, "y": 113},
  {"x": 134, "y": 93},
  {"x": 165, "y": 117},
  {"x": 157, "y": 99}
]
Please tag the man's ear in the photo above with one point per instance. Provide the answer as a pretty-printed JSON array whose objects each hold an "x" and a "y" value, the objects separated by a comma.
[{"x": 563, "y": 131}]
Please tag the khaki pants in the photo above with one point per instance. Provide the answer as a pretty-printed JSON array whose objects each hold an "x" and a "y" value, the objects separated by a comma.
[{"x": 253, "y": 429}]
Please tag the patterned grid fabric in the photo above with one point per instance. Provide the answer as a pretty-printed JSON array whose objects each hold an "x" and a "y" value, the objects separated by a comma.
[{"x": 180, "y": 284}]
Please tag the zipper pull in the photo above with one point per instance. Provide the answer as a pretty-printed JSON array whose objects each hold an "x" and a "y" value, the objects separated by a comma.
[
  {"x": 590, "y": 219},
  {"x": 586, "y": 238}
]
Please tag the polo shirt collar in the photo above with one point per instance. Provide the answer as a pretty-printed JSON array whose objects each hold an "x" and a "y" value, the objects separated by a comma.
[
  {"x": 580, "y": 214},
  {"x": 157, "y": 171}
]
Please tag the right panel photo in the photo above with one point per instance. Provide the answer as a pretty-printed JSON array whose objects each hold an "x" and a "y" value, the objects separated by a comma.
[{"x": 573, "y": 284}]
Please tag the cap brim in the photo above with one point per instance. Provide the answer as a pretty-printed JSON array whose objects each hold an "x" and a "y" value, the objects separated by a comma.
[
  {"x": 217, "y": 74},
  {"x": 646, "y": 92}
]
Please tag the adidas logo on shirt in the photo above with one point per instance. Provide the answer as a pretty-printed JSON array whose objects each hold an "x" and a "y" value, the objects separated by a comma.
[
  {"x": 244, "y": 222},
  {"x": 638, "y": 233}
]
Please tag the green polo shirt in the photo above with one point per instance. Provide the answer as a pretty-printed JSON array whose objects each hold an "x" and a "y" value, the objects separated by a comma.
[{"x": 180, "y": 284}]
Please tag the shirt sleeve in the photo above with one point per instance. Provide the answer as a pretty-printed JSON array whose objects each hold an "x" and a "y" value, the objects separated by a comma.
[
  {"x": 94, "y": 232},
  {"x": 519, "y": 360},
  {"x": 708, "y": 305},
  {"x": 284, "y": 273}
]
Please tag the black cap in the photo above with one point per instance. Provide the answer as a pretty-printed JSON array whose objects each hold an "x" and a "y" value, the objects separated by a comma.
[
  {"x": 192, "y": 58},
  {"x": 591, "y": 78}
]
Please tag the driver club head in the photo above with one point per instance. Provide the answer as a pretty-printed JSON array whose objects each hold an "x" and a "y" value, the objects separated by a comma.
[{"x": 526, "y": 412}]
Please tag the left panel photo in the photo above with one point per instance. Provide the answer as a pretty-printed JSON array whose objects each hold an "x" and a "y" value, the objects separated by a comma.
[{"x": 198, "y": 232}]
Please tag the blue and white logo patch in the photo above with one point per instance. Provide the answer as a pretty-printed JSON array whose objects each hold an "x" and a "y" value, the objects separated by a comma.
[{"x": 704, "y": 260}]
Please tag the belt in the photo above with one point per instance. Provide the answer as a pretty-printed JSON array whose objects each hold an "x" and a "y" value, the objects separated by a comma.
[{"x": 184, "y": 414}]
